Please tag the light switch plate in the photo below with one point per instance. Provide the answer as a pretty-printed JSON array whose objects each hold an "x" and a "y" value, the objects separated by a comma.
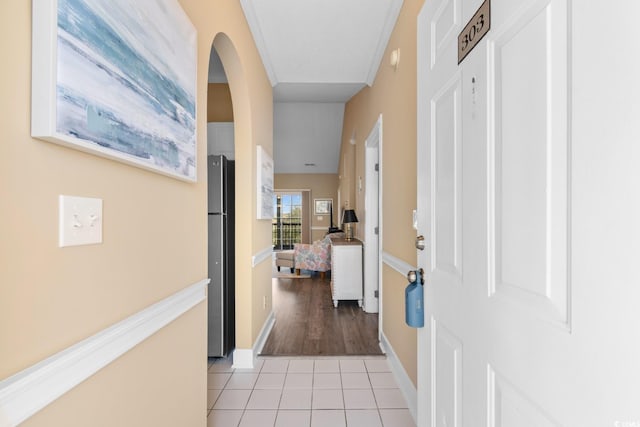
[{"x": 80, "y": 221}]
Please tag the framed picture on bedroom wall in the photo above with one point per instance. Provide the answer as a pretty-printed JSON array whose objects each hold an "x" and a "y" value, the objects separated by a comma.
[{"x": 117, "y": 79}]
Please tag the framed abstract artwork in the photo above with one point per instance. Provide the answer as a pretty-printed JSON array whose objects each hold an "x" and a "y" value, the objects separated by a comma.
[
  {"x": 117, "y": 79},
  {"x": 264, "y": 179}
]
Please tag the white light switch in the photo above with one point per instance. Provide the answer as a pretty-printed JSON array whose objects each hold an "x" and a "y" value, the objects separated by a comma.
[{"x": 80, "y": 221}]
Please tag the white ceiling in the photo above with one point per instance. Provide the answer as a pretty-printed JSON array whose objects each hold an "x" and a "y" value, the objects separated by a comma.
[
  {"x": 321, "y": 42},
  {"x": 317, "y": 54}
]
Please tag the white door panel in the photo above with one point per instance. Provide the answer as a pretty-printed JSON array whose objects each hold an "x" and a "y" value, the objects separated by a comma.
[
  {"x": 528, "y": 214},
  {"x": 509, "y": 407},
  {"x": 446, "y": 375},
  {"x": 528, "y": 159},
  {"x": 444, "y": 26},
  {"x": 446, "y": 180}
]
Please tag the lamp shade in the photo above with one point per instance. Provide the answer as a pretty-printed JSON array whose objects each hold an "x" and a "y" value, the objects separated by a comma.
[{"x": 349, "y": 216}]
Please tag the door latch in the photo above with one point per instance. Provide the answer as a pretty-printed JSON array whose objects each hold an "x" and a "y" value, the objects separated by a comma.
[{"x": 420, "y": 242}]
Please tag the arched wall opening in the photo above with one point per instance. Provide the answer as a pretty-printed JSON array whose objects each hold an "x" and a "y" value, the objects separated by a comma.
[
  {"x": 220, "y": 172},
  {"x": 243, "y": 175}
]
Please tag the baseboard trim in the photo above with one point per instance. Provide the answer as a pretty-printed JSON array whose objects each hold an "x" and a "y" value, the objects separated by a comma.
[
  {"x": 24, "y": 394},
  {"x": 245, "y": 358},
  {"x": 404, "y": 382},
  {"x": 396, "y": 263},
  {"x": 262, "y": 256},
  {"x": 264, "y": 333}
]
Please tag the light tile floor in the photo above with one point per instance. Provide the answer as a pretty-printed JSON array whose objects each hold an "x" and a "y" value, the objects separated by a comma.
[{"x": 328, "y": 392}]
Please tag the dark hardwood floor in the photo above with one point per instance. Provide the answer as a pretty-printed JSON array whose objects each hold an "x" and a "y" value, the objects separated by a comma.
[{"x": 307, "y": 324}]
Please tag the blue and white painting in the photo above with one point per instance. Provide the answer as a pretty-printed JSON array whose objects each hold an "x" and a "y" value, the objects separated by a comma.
[{"x": 126, "y": 79}]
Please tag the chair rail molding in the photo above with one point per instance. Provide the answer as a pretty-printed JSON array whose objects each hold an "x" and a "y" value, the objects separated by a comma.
[
  {"x": 396, "y": 263},
  {"x": 262, "y": 256}
]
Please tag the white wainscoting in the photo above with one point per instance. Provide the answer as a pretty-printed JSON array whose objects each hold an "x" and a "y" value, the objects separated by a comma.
[{"x": 29, "y": 391}]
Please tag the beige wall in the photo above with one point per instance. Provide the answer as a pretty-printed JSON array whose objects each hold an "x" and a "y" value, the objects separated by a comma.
[
  {"x": 393, "y": 94},
  {"x": 322, "y": 186},
  {"x": 219, "y": 106},
  {"x": 154, "y": 241}
]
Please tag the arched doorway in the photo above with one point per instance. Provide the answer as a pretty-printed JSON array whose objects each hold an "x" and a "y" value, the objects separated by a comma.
[
  {"x": 238, "y": 131},
  {"x": 221, "y": 320}
]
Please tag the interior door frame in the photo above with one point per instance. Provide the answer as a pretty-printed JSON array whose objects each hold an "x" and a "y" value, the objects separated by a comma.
[
  {"x": 373, "y": 207},
  {"x": 422, "y": 204}
]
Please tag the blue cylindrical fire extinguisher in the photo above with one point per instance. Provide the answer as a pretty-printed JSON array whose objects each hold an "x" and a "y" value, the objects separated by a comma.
[{"x": 414, "y": 299}]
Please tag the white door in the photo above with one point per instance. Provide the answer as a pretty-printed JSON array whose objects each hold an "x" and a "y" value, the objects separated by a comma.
[{"x": 531, "y": 311}]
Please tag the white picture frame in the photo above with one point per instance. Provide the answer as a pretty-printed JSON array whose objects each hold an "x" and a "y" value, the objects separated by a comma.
[
  {"x": 264, "y": 179},
  {"x": 117, "y": 79}
]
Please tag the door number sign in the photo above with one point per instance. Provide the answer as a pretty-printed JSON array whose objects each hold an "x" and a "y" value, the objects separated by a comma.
[{"x": 474, "y": 31}]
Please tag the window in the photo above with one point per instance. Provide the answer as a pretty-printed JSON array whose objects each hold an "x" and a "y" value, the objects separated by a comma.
[{"x": 287, "y": 220}]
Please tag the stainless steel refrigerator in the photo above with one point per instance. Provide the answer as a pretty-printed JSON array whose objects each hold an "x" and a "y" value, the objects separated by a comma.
[{"x": 221, "y": 213}]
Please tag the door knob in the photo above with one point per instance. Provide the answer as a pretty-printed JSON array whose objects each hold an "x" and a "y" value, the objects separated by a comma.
[{"x": 420, "y": 242}]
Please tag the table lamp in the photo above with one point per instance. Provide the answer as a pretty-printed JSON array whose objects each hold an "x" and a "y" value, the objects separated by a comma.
[{"x": 349, "y": 217}]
